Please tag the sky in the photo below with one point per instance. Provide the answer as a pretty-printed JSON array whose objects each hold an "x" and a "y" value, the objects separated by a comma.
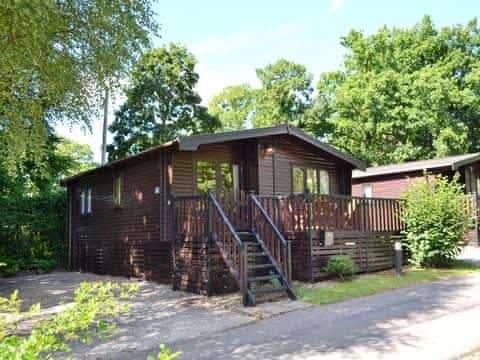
[{"x": 230, "y": 39}]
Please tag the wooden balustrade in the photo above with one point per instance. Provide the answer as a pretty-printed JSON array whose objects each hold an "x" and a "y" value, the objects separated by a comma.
[
  {"x": 264, "y": 226},
  {"x": 301, "y": 212}
]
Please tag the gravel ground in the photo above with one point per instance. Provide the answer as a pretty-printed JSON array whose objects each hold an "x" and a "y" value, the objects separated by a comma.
[{"x": 157, "y": 314}]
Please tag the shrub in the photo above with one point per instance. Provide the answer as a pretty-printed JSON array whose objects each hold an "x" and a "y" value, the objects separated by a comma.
[
  {"x": 90, "y": 316},
  {"x": 32, "y": 232},
  {"x": 341, "y": 266},
  {"x": 435, "y": 220},
  {"x": 165, "y": 354}
]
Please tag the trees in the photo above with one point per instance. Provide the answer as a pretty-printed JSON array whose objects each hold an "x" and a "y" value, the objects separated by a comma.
[
  {"x": 161, "y": 102},
  {"x": 284, "y": 96},
  {"x": 233, "y": 106},
  {"x": 403, "y": 95},
  {"x": 32, "y": 208},
  {"x": 56, "y": 57}
]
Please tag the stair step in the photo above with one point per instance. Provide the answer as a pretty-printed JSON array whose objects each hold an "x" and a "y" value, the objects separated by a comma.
[
  {"x": 261, "y": 266},
  {"x": 263, "y": 278},
  {"x": 269, "y": 290},
  {"x": 257, "y": 254}
]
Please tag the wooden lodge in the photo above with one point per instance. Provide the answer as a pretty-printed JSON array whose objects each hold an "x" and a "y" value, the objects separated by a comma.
[
  {"x": 389, "y": 181},
  {"x": 248, "y": 210}
]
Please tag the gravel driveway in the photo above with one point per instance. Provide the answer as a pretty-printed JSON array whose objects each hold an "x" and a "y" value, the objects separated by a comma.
[{"x": 157, "y": 314}]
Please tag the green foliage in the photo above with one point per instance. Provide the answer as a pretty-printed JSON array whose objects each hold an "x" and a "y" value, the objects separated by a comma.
[
  {"x": 233, "y": 106},
  {"x": 404, "y": 94},
  {"x": 32, "y": 209},
  {"x": 165, "y": 354},
  {"x": 284, "y": 96},
  {"x": 435, "y": 220},
  {"x": 56, "y": 59},
  {"x": 32, "y": 232},
  {"x": 90, "y": 316},
  {"x": 341, "y": 266},
  {"x": 161, "y": 103}
]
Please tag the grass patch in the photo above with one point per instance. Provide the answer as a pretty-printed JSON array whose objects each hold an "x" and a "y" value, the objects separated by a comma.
[{"x": 379, "y": 282}]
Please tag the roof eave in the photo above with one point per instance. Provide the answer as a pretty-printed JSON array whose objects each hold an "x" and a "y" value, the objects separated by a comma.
[
  {"x": 327, "y": 148},
  {"x": 458, "y": 164},
  {"x": 64, "y": 182}
]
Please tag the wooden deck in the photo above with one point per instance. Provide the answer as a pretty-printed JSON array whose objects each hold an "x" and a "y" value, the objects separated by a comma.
[{"x": 313, "y": 226}]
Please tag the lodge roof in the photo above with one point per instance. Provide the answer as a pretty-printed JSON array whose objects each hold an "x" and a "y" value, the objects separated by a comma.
[
  {"x": 191, "y": 143},
  {"x": 452, "y": 162}
]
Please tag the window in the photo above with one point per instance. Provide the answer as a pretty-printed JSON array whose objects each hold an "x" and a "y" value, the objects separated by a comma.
[
  {"x": 367, "y": 190},
  {"x": 117, "y": 192},
  {"x": 86, "y": 201},
  {"x": 324, "y": 182},
  {"x": 213, "y": 175},
  {"x": 313, "y": 179},
  {"x": 206, "y": 176},
  {"x": 226, "y": 176},
  {"x": 298, "y": 179}
]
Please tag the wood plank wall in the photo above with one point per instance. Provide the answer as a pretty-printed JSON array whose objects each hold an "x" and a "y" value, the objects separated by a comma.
[
  {"x": 128, "y": 241},
  {"x": 288, "y": 152},
  {"x": 370, "y": 251}
]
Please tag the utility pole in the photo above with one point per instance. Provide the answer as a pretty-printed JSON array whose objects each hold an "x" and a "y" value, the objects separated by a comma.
[{"x": 105, "y": 127}]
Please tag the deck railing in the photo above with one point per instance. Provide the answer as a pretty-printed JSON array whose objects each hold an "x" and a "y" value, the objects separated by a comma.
[
  {"x": 308, "y": 211},
  {"x": 269, "y": 234},
  {"x": 221, "y": 230},
  {"x": 204, "y": 216}
]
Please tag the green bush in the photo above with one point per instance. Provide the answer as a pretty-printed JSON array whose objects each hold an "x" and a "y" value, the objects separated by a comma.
[
  {"x": 90, "y": 316},
  {"x": 32, "y": 232},
  {"x": 435, "y": 220},
  {"x": 341, "y": 266},
  {"x": 165, "y": 354}
]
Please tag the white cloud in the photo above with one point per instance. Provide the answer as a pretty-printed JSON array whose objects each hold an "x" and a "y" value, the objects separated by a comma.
[
  {"x": 212, "y": 80},
  {"x": 336, "y": 6},
  {"x": 239, "y": 40}
]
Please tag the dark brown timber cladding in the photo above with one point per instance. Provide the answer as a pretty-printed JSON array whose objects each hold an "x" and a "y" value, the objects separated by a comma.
[
  {"x": 371, "y": 251},
  {"x": 393, "y": 185},
  {"x": 127, "y": 240},
  {"x": 199, "y": 268},
  {"x": 184, "y": 170},
  {"x": 275, "y": 171}
]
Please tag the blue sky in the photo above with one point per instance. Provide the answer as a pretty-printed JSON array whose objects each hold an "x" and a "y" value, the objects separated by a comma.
[{"x": 232, "y": 39}]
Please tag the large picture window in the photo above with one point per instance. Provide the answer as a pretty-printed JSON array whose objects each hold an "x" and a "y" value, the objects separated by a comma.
[
  {"x": 298, "y": 178},
  {"x": 324, "y": 182},
  {"x": 314, "y": 179},
  {"x": 206, "y": 176},
  {"x": 217, "y": 176}
]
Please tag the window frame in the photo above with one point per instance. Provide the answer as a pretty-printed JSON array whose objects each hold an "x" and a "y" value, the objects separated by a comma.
[
  {"x": 234, "y": 167},
  {"x": 305, "y": 170},
  {"x": 117, "y": 204},
  {"x": 86, "y": 201},
  {"x": 364, "y": 187}
]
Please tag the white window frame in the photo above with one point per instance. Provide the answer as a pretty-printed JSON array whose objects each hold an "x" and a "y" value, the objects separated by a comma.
[
  {"x": 367, "y": 190},
  {"x": 85, "y": 200}
]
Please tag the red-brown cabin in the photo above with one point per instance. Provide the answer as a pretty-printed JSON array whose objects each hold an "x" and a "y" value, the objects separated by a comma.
[
  {"x": 390, "y": 181},
  {"x": 197, "y": 210}
]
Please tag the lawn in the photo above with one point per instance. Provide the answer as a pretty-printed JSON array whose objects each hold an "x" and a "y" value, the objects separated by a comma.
[{"x": 363, "y": 285}]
